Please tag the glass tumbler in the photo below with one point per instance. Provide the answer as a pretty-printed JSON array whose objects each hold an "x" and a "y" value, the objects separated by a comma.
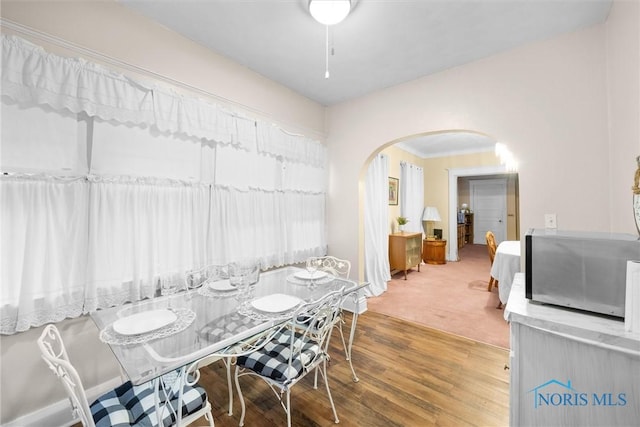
[
  {"x": 242, "y": 275},
  {"x": 170, "y": 283}
]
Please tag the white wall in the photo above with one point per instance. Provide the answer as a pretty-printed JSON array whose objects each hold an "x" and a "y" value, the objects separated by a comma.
[
  {"x": 623, "y": 84},
  {"x": 547, "y": 101}
]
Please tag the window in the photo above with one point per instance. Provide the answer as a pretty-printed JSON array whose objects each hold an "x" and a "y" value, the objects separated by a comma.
[{"x": 99, "y": 202}]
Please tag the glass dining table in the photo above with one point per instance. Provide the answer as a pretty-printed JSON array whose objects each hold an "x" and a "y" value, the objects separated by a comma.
[{"x": 154, "y": 337}]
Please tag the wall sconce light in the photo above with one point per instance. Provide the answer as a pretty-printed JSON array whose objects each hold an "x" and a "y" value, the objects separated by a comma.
[{"x": 506, "y": 157}]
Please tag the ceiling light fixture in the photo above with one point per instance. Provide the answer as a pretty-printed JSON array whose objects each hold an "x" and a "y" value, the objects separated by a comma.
[{"x": 329, "y": 12}]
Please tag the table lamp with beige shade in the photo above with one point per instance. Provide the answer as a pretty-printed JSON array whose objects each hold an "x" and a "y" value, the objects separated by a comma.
[{"x": 430, "y": 215}]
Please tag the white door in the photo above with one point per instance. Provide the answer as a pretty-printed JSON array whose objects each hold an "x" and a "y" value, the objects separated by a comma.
[{"x": 489, "y": 203}]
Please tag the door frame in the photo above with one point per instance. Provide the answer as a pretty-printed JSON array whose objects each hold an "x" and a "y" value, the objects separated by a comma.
[{"x": 454, "y": 174}]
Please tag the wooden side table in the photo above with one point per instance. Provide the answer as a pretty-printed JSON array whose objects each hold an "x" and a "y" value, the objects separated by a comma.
[{"x": 433, "y": 251}]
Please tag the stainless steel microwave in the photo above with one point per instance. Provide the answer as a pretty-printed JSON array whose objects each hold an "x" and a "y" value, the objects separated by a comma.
[{"x": 581, "y": 270}]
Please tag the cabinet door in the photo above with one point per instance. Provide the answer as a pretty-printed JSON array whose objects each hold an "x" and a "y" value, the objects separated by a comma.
[
  {"x": 397, "y": 252},
  {"x": 554, "y": 382},
  {"x": 414, "y": 250}
]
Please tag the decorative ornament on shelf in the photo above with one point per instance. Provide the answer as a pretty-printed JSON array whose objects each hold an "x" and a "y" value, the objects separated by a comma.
[
  {"x": 636, "y": 194},
  {"x": 402, "y": 221}
]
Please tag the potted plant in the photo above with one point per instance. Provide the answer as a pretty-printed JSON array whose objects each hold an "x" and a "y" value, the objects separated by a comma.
[{"x": 402, "y": 221}]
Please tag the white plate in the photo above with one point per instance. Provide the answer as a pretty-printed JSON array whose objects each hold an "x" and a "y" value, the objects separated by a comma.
[
  {"x": 304, "y": 274},
  {"x": 221, "y": 285},
  {"x": 146, "y": 321},
  {"x": 276, "y": 303}
]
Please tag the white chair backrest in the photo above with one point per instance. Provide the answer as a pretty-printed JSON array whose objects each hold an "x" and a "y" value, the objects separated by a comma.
[
  {"x": 336, "y": 266},
  {"x": 55, "y": 355},
  {"x": 170, "y": 386},
  {"x": 314, "y": 321}
]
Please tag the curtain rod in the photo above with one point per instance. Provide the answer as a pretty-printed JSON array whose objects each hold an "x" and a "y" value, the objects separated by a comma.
[{"x": 74, "y": 47}]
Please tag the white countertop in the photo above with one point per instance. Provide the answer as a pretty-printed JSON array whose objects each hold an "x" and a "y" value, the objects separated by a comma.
[{"x": 603, "y": 331}]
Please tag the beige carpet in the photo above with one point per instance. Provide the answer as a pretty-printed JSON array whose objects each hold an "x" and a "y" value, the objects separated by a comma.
[{"x": 451, "y": 297}]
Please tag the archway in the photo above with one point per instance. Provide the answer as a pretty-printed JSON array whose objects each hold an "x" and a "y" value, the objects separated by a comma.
[
  {"x": 462, "y": 161},
  {"x": 461, "y": 143},
  {"x": 455, "y": 169}
]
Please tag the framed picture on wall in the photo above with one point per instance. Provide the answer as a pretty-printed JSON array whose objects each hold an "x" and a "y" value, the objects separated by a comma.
[{"x": 394, "y": 187}]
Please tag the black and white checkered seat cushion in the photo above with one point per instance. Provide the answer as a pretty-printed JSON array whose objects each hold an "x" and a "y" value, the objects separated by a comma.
[
  {"x": 272, "y": 360},
  {"x": 234, "y": 324},
  {"x": 129, "y": 405}
]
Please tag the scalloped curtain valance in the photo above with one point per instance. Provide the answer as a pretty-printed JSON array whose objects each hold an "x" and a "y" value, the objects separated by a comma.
[
  {"x": 30, "y": 75},
  {"x": 112, "y": 184}
]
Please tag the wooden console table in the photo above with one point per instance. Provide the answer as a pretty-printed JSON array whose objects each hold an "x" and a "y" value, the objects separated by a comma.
[
  {"x": 433, "y": 251},
  {"x": 405, "y": 251}
]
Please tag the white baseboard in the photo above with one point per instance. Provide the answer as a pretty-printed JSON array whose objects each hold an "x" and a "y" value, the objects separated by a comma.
[{"x": 59, "y": 413}]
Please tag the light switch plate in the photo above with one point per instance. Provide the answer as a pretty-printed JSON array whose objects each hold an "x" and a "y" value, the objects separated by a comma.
[{"x": 550, "y": 221}]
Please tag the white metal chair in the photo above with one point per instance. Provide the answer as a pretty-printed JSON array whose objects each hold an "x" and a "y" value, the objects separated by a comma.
[
  {"x": 339, "y": 268},
  {"x": 155, "y": 403},
  {"x": 293, "y": 352},
  {"x": 332, "y": 265}
]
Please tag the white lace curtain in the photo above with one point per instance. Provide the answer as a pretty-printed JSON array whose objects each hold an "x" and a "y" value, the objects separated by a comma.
[
  {"x": 412, "y": 195},
  {"x": 93, "y": 210},
  {"x": 43, "y": 250},
  {"x": 139, "y": 231}
]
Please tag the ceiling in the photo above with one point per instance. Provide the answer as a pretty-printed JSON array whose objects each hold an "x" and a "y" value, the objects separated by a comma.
[
  {"x": 447, "y": 144},
  {"x": 380, "y": 44}
]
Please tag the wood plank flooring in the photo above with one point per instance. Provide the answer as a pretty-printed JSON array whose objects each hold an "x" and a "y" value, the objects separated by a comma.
[{"x": 410, "y": 375}]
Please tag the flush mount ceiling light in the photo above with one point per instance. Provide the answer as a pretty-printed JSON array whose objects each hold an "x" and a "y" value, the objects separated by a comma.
[{"x": 329, "y": 12}]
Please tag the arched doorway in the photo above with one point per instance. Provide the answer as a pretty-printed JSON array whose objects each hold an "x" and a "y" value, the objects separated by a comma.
[
  {"x": 443, "y": 172},
  {"x": 452, "y": 154}
]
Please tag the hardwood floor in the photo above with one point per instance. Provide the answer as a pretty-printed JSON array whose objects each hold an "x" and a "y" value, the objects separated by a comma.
[{"x": 410, "y": 375}]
